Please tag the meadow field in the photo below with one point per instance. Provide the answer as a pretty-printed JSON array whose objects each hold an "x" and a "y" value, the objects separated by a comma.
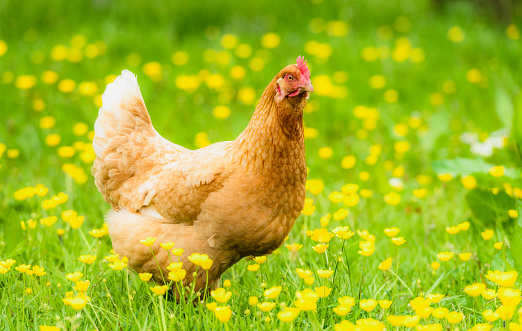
[{"x": 413, "y": 148}]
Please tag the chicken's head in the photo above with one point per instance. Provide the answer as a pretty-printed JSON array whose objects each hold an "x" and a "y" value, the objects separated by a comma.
[{"x": 294, "y": 80}]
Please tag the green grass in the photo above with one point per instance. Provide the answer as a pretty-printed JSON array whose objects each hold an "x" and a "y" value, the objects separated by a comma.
[{"x": 153, "y": 32}]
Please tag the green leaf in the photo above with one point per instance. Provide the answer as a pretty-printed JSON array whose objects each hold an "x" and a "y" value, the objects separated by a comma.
[
  {"x": 504, "y": 108},
  {"x": 465, "y": 166},
  {"x": 488, "y": 207},
  {"x": 503, "y": 260}
]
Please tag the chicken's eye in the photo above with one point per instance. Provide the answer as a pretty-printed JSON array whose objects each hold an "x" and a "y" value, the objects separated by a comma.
[{"x": 290, "y": 77}]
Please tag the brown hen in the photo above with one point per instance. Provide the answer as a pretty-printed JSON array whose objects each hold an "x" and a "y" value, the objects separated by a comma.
[{"x": 228, "y": 200}]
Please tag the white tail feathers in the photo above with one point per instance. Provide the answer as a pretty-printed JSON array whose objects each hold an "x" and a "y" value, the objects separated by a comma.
[{"x": 118, "y": 98}]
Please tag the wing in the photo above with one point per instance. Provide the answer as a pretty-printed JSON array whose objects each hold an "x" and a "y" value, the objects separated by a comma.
[{"x": 138, "y": 170}]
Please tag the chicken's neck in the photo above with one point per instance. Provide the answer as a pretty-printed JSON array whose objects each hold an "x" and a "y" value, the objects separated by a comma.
[{"x": 274, "y": 136}]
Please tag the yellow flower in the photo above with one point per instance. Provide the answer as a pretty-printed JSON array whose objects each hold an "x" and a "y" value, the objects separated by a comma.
[
  {"x": 260, "y": 259},
  {"x": 489, "y": 294},
  {"x": 419, "y": 303},
  {"x": 367, "y": 248},
  {"x": 118, "y": 264},
  {"x": 396, "y": 320},
  {"x": 178, "y": 251},
  {"x": 289, "y": 314},
  {"x": 82, "y": 285},
  {"x": 145, "y": 276},
  {"x": 429, "y": 327},
  {"x": 391, "y": 232},
  {"x": 454, "y": 317},
  {"x": 464, "y": 256},
  {"x": 444, "y": 177},
  {"x": 198, "y": 259},
  {"x": 487, "y": 234},
  {"x": 28, "y": 290},
  {"x": 369, "y": 324},
  {"x": 148, "y": 241},
  {"x": 66, "y": 85},
  {"x": 49, "y": 77},
  {"x": 266, "y": 306},
  {"x": 308, "y": 208},
  {"x": 98, "y": 233},
  {"x": 227, "y": 283},
  {"x": 48, "y": 328},
  {"x": 398, "y": 241},
  {"x": 323, "y": 291},
  {"x": 469, "y": 182},
  {"x": 159, "y": 290},
  {"x": 306, "y": 300},
  {"x": 346, "y": 301},
  {"x": 340, "y": 214},
  {"x": 320, "y": 248},
  {"x": 343, "y": 232},
  {"x": 325, "y": 152},
  {"x": 180, "y": 58},
  {"x": 504, "y": 279},
  {"x": 154, "y": 70},
  {"x": 303, "y": 273},
  {"x": 445, "y": 256},
  {"x": 497, "y": 171},
  {"x": 315, "y": 186},
  {"x": 386, "y": 264},
  {"x": 513, "y": 213},
  {"x": 75, "y": 276},
  {"x": 77, "y": 302},
  {"x": 440, "y": 313},
  {"x": 424, "y": 312},
  {"x": 411, "y": 321},
  {"x": 498, "y": 245},
  {"x": 464, "y": 226},
  {"x": 455, "y": 34},
  {"x": 368, "y": 305},
  {"x": 177, "y": 275},
  {"x": 420, "y": 193},
  {"x": 325, "y": 273},
  {"x": 509, "y": 297},
  {"x": 435, "y": 265},
  {"x": 475, "y": 289},
  {"x": 221, "y": 112},
  {"x": 87, "y": 259},
  {"x": 452, "y": 229},
  {"x": 348, "y": 162},
  {"x": 309, "y": 280},
  {"x": 206, "y": 264},
  {"x": 211, "y": 306},
  {"x": 505, "y": 312},
  {"x": 385, "y": 304},
  {"x": 272, "y": 292},
  {"x": 25, "y": 82},
  {"x": 167, "y": 246},
  {"x": 112, "y": 258},
  {"x": 223, "y": 314},
  {"x": 221, "y": 295},
  {"x": 392, "y": 198},
  {"x": 253, "y": 267},
  {"x": 435, "y": 298},
  {"x": 490, "y": 316},
  {"x": 294, "y": 247}
]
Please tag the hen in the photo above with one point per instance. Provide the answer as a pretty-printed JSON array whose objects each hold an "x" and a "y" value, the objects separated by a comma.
[{"x": 228, "y": 200}]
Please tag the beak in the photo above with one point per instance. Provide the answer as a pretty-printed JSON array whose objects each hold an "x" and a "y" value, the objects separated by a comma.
[{"x": 308, "y": 87}]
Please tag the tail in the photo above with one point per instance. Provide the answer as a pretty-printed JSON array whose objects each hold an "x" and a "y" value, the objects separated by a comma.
[{"x": 123, "y": 112}]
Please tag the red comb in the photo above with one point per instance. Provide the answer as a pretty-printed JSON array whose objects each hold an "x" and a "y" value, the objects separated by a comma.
[{"x": 301, "y": 64}]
